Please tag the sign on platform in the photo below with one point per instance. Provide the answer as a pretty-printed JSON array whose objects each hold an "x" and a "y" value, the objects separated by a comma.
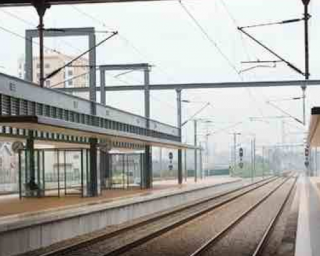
[{"x": 17, "y": 146}]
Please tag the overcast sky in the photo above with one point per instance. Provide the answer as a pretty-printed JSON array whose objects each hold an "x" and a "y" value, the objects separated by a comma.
[{"x": 162, "y": 34}]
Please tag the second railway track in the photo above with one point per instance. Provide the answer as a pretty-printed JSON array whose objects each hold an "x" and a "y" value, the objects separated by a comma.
[{"x": 255, "y": 245}]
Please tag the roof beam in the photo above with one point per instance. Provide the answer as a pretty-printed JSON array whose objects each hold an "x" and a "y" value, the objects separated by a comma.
[
  {"x": 5, "y": 3},
  {"x": 185, "y": 86},
  {"x": 135, "y": 66}
]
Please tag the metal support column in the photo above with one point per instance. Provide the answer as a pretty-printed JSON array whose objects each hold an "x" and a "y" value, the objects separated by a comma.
[
  {"x": 105, "y": 172},
  {"x": 160, "y": 162},
  {"x": 306, "y": 41},
  {"x": 102, "y": 87},
  {"x": 195, "y": 151},
  {"x": 148, "y": 149},
  {"x": 234, "y": 151},
  {"x": 32, "y": 184},
  {"x": 201, "y": 162},
  {"x": 148, "y": 167},
  {"x": 251, "y": 153},
  {"x": 28, "y": 75},
  {"x": 179, "y": 122},
  {"x": 185, "y": 166},
  {"x": 316, "y": 161},
  {"x": 264, "y": 162},
  {"x": 147, "y": 96},
  {"x": 254, "y": 158},
  {"x": 41, "y": 7},
  {"x": 93, "y": 176},
  {"x": 92, "y": 63}
]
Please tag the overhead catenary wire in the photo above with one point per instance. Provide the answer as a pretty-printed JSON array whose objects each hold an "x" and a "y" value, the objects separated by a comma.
[
  {"x": 235, "y": 22},
  {"x": 275, "y": 23},
  {"x": 225, "y": 129},
  {"x": 86, "y": 73},
  {"x": 140, "y": 82},
  {"x": 294, "y": 126},
  {"x": 69, "y": 79},
  {"x": 29, "y": 23},
  {"x": 131, "y": 45},
  {"x": 199, "y": 111},
  {"x": 128, "y": 42},
  {"x": 28, "y": 39},
  {"x": 208, "y": 37},
  {"x": 285, "y": 112},
  {"x": 79, "y": 56},
  {"x": 9, "y": 31},
  {"x": 293, "y": 67}
]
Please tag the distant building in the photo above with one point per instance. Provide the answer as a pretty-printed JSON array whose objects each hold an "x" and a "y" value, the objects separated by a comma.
[{"x": 73, "y": 76}]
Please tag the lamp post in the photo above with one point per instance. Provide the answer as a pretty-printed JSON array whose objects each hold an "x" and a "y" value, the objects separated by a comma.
[
  {"x": 207, "y": 122},
  {"x": 202, "y": 120},
  {"x": 253, "y": 155}
]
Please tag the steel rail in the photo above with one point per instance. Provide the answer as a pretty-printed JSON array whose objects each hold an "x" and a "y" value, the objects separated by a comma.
[
  {"x": 178, "y": 223},
  {"x": 90, "y": 241},
  {"x": 209, "y": 243},
  {"x": 265, "y": 238}
]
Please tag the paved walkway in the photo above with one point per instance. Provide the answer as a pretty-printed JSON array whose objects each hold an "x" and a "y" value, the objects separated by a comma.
[
  {"x": 11, "y": 204},
  {"x": 309, "y": 218}
]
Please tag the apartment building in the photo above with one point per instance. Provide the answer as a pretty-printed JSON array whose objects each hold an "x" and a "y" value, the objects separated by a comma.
[{"x": 72, "y": 76}]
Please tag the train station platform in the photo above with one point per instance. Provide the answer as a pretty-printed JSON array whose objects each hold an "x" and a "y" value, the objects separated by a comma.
[
  {"x": 12, "y": 205},
  {"x": 308, "y": 232},
  {"x": 32, "y": 223}
]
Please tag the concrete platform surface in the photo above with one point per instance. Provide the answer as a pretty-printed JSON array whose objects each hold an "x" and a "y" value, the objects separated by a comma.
[
  {"x": 12, "y": 205},
  {"x": 308, "y": 233}
]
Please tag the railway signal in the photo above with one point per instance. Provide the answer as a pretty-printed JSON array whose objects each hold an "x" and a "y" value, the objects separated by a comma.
[
  {"x": 240, "y": 152},
  {"x": 306, "y": 154},
  {"x": 241, "y": 157},
  {"x": 306, "y": 151},
  {"x": 170, "y": 158}
]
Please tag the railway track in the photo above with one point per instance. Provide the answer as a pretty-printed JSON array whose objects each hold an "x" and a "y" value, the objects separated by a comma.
[
  {"x": 176, "y": 218},
  {"x": 259, "y": 249}
]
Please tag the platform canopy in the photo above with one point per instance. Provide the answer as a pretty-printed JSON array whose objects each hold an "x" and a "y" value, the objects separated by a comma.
[
  {"x": 45, "y": 124},
  {"x": 62, "y": 2},
  {"x": 314, "y": 128}
]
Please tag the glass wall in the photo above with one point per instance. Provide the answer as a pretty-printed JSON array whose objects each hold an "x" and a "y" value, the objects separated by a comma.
[
  {"x": 125, "y": 170},
  {"x": 54, "y": 172}
]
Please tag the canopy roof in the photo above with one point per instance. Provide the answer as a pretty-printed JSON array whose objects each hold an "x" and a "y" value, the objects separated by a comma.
[
  {"x": 61, "y": 2},
  {"x": 46, "y": 124}
]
